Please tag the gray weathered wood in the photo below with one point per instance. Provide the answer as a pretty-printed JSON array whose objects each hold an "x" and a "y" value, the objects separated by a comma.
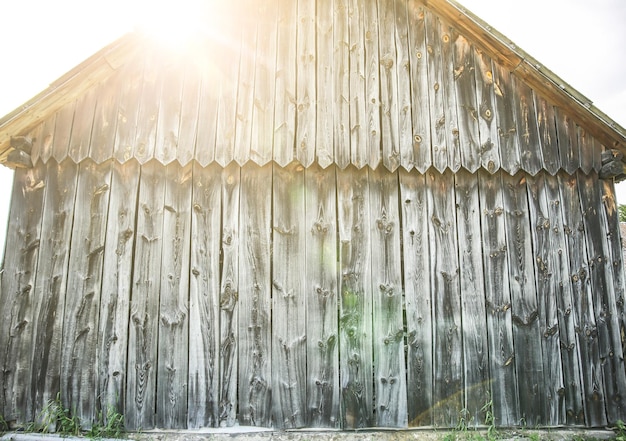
[
  {"x": 404, "y": 100},
  {"x": 42, "y": 146},
  {"x": 79, "y": 371},
  {"x": 304, "y": 71},
  {"x": 448, "y": 37},
  {"x": 417, "y": 292},
  {"x": 322, "y": 298},
  {"x": 82, "y": 125},
  {"x": 209, "y": 96},
  {"x": 473, "y": 308},
  {"x": 170, "y": 90},
  {"x": 189, "y": 112},
  {"x": 504, "y": 384},
  {"x": 324, "y": 150},
  {"x": 128, "y": 111},
  {"x": 568, "y": 141},
  {"x": 144, "y": 305},
  {"x": 436, "y": 96},
  {"x": 255, "y": 373},
  {"x": 372, "y": 82},
  {"x": 355, "y": 308},
  {"x": 547, "y": 135},
  {"x": 504, "y": 106},
  {"x": 487, "y": 126},
  {"x": 105, "y": 120},
  {"x": 62, "y": 131},
  {"x": 173, "y": 362},
  {"x": 288, "y": 298},
  {"x": 387, "y": 301},
  {"x": 341, "y": 83},
  {"x": 146, "y": 127},
  {"x": 357, "y": 58},
  {"x": 527, "y": 128},
  {"x": 586, "y": 148}
]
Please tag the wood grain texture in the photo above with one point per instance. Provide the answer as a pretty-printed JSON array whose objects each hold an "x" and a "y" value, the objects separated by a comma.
[
  {"x": 79, "y": 372},
  {"x": 586, "y": 149},
  {"x": 341, "y": 83},
  {"x": 417, "y": 292},
  {"x": 189, "y": 112},
  {"x": 403, "y": 74},
  {"x": 43, "y": 141},
  {"x": 527, "y": 127},
  {"x": 357, "y": 58},
  {"x": 547, "y": 135},
  {"x": 448, "y": 36},
  {"x": 568, "y": 141},
  {"x": 128, "y": 110},
  {"x": 324, "y": 146},
  {"x": 372, "y": 82},
  {"x": 582, "y": 302},
  {"x": 19, "y": 276},
  {"x": 62, "y": 131},
  {"x": 146, "y": 127},
  {"x": 487, "y": 126},
  {"x": 288, "y": 298},
  {"x": 255, "y": 315},
  {"x": 209, "y": 107},
  {"x": 504, "y": 383},
  {"x": 305, "y": 85},
  {"x": 170, "y": 90},
  {"x": 322, "y": 298},
  {"x": 387, "y": 301},
  {"x": 105, "y": 120},
  {"x": 504, "y": 107},
  {"x": 144, "y": 306},
  {"x": 355, "y": 307},
  {"x": 82, "y": 125}
]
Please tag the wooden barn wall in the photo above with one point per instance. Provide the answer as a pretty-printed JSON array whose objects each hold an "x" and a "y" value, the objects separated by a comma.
[
  {"x": 345, "y": 82},
  {"x": 191, "y": 296}
]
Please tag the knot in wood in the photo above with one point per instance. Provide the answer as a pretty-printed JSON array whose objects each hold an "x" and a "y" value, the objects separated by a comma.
[{"x": 385, "y": 226}]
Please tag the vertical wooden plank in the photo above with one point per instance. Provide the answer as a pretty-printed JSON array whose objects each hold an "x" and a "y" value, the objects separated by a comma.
[
  {"x": 146, "y": 127},
  {"x": 598, "y": 148},
  {"x": 436, "y": 98},
  {"x": 288, "y": 298},
  {"x": 473, "y": 308},
  {"x": 388, "y": 85},
  {"x": 603, "y": 294},
  {"x": 447, "y": 339},
  {"x": 405, "y": 119},
  {"x": 547, "y": 135},
  {"x": 325, "y": 77},
  {"x": 417, "y": 292},
  {"x": 170, "y": 91},
  {"x": 208, "y": 110},
  {"x": 19, "y": 276},
  {"x": 420, "y": 112},
  {"x": 467, "y": 113},
  {"x": 264, "y": 84},
  {"x": 304, "y": 71},
  {"x": 582, "y": 304},
  {"x": 504, "y": 106},
  {"x": 49, "y": 290},
  {"x": 62, "y": 131},
  {"x": 570, "y": 344},
  {"x": 204, "y": 285},
  {"x": 117, "y": 287},
  {"x": 527, "y": 128},
  {"x": 453, "y": 149},
  {"x": 568, "y": 141},
  {"x": 105, "y": 120},
  {"x": 585, "y": 144},
  {"x": 189, "y": 112},
  {"x": 547, "y": 271},
  {"x": 173, "y": 346},
  {"x": 504, "y": 384},
  {"x": 128, "y": 110},
  {"x": 79, "y": 372},
  {"x": 341, "y": 83},
  {"x": 294, "y": 97},
  {"x": 487, "y": 127},
  {"x": 355, "y": 308},
  {"x": 42, "y": 148},
  {"x": 82, "y": 125},
  {"x": 322, "y": 299},
  {"x": 387, "y": 301},
  {"x": 372, "y": 82},
  {"x": 358, "y": 116},
  {"x": 255, "y": 296},
  {"x": 524, "y": 305},
  {"x": 229, "y": 296},
  {"x": 144, "y": 305}
]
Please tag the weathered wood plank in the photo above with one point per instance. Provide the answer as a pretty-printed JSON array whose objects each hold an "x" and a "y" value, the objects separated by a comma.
[
  {"x": 504, "y": 106},
  {"x": 387, "y": 301},
  {"x": 372, "y": 82},
  {"x": 487, "y": 126},
  {"x": 82, "y": 125},
  {"x": 586, "y": 147},
  {"x": 117, "y": 288},
  {"x": 204, "y": 285},
  {"x": 404, "y": 100},
  {"x": 293, "y": 97},
  {"x": 453, "y": 148},
  {"x": 211, "y": 100},
  {"x": 598, "y": 148},
  {"x": 325, "y": 154},
  {"x": 420, "y": 113},
  {"x": 448, "y": 394},
  {"x": 173, "y": 362},
  {"x": 582, "y": 304},
  {"x": 229, "y": 296},
  {"x": 304, "y": 71},
  {"x": 79, "y": 372},
  {"x": 19, "y": 276},
  {"x": 170, "y": 90},
  {"x": 44, "y": 139},
  {"x": 548, "y": 276},
  {"x": 568, "y": 141},
  {"x": 62, "y": 131},
  {"x": 603, "y": 295},
  {"x": 144, "y": 306},
  {"x": 264, "y": 84},
  {"x": 49, "y": 291},
  {"x": 473, "y": 308},
  {"x": 255, "y": 374},
  {"x": 146, "y": 123},
  {"x": 288, "y": 298},
  {"x": 527, "y": 128},
  {"x": 322, "y": 298},
  {"x": 504, "y": 384},
  {"x": 105, "y": 120},
  {"x": 355, "y": 308},
  {"x": 467, "y": 113},
  {"x": 189, "y": 112},
  {"x": 358, "y": 116},
  {"x": 128, "y": 110},
  {"x": 547, "y": 135},
  {"x": 341, "y": 83},
  {"x": 417, "y": 292},
  {"x": 436, "y": 98},
  {"x": 524, "y": 304}
]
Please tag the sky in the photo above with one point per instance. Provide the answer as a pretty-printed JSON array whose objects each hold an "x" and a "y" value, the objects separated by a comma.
[{"x": 582, "y": 41}]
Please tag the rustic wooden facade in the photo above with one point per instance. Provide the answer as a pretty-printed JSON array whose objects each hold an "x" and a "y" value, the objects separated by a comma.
[{"x": 342, "y": 214}]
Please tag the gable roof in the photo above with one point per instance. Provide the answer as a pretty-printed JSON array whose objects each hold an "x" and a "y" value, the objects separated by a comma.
[{"x": 108, "y": 65}]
